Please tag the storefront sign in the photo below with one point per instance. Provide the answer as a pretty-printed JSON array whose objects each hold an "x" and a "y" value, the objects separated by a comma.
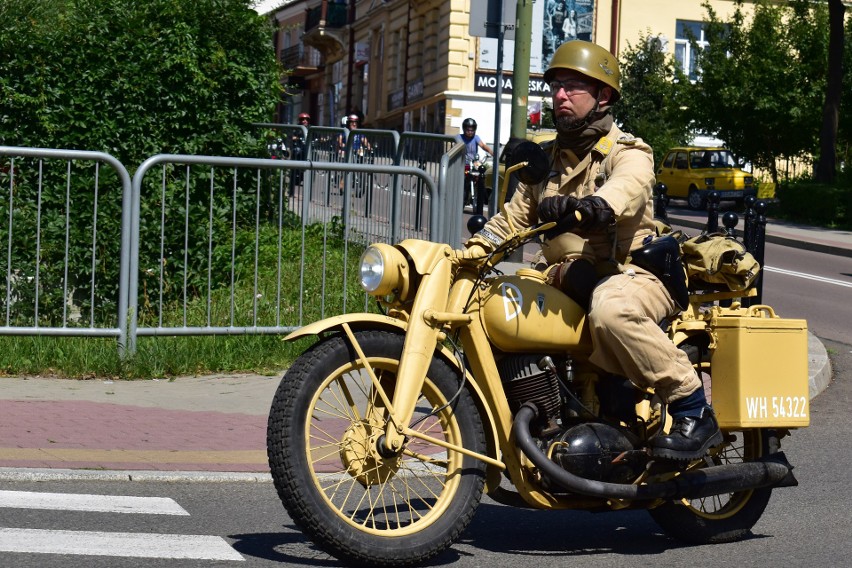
[{"x": 487, "y": 83}]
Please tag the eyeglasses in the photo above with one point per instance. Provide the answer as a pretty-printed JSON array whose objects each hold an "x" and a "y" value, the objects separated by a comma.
[
  {"x": 571, "y": 86},
  {"x": 352, "y": 122},
  {"x": 303, "y": 120}
]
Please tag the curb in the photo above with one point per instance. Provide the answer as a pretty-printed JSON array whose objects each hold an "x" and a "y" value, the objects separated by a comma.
[
  {"x": 819, "y": 366},
  {"x": 44, "y": 474}
]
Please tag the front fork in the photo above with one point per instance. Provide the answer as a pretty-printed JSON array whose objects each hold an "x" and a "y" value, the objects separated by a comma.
[{"x": 424, "y": 328}]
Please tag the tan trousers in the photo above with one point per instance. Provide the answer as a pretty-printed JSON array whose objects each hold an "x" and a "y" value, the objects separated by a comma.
[{"x": 624, "y": 320}]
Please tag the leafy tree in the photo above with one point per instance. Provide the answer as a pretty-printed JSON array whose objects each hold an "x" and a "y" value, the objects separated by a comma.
[
  {"x": 652, "y": 96},
  {"x": 135, "y": 78},
  {"x": 131, "y": 79},
  {"x": 844, "y": 134},
  {"x": 761, "y": 85},
  {"x": 827, "y": 162}
]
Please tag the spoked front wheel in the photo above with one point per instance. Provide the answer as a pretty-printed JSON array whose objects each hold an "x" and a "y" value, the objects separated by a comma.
[{"x": 354, "y": 498}]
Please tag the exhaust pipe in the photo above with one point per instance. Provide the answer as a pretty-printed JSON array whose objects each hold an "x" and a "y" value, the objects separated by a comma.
[{"x": 716, "y": 480}]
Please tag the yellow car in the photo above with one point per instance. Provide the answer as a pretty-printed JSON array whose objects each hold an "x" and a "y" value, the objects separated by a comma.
[{"x": 692, "y": 173}]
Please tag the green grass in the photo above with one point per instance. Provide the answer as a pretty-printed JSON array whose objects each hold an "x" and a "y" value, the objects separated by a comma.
[
  {"x": 156, "y": 357},
  {"x": 169, "y": 356}
]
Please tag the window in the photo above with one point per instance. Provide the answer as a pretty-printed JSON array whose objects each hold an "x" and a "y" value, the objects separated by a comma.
[{"x": 684, "y": 50}]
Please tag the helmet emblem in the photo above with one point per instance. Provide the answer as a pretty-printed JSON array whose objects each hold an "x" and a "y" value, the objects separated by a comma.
[{"x": 605, "y": 66}]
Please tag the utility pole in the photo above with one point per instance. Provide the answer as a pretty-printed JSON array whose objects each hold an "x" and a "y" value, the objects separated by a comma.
[
  {"x": 501, "y": 34},
  {"x": 521, "y": 69}
]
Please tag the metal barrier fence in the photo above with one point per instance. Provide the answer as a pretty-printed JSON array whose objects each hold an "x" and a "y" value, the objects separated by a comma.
[
  {"x": 378, "y": 147},
  {"x": 67, "y": 232},
  {"x": 202, "y": 245},
  {"x": 225, "y": 229}
]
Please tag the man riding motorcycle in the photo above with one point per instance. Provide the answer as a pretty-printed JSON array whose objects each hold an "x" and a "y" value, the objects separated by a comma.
[
  {"x": 600, "y": 189},
  {"x": 472, "y": 141}
]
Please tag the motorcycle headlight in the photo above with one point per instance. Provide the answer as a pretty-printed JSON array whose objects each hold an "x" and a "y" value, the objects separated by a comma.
[{"x": 384, "y": 270}]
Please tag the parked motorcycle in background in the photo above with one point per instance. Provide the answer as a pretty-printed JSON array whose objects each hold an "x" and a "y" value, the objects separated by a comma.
[
  {"x": 475, "y": 192},
  {"x": 277, "y": 149}
]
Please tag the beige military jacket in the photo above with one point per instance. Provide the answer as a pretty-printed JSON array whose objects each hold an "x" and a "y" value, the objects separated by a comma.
[{"x": 620, "y": 169}]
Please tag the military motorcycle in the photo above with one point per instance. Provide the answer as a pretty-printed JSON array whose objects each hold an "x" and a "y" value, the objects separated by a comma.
[{"x": 385, "y": 433}]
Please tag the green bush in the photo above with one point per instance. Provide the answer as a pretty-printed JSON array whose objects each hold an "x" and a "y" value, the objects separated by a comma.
[
  {"x": 131, "y": 79},
  {"x": 814, "y": 203}
]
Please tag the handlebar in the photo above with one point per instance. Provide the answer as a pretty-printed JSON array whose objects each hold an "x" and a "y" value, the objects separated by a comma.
[{"x": 478, "y": 257}]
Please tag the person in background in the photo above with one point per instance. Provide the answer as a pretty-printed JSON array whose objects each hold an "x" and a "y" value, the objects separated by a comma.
[
  {"x": 360, "y": 144},
  {"x": 296, "y": 139},
  {"x": 297, "y": 145},
  {"x": 472, "y": 141}
]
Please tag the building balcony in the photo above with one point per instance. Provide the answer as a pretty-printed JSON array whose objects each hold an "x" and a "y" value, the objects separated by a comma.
[
  {"x": 300, "y": 60},
  {"x": 324, "y": 30}
]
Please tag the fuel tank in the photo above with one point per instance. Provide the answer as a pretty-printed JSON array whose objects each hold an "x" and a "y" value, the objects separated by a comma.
[{"x": 522, "y": 313}]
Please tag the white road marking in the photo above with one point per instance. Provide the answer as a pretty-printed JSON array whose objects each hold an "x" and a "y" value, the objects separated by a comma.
[
  {"x": 95, "y": 503},
  {"x": 133, "y": 545},
  {"x": 808, "y": 276}
]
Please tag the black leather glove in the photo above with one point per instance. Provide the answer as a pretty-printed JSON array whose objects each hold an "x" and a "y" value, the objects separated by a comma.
[
  {"x": 594, "y": 213},
  {"x": 556, "y": 208}
]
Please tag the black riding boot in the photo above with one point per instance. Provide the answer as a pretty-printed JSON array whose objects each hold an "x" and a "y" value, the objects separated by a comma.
[{"x": 693, "y": 432}]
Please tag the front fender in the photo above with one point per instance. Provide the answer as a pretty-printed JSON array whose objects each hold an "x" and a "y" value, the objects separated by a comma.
[{"x": 359, "y": 321}]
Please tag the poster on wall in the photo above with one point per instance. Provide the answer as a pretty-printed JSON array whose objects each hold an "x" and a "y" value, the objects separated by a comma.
[
  {"x": 554, "y": 22},
  {"x": 488, "y": 46},
  {"x": 565, "y": 20}
]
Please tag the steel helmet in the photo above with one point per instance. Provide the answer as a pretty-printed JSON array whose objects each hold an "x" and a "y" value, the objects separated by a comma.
[
  {"x": 587, "y": 58},
  {"x": 304, "y": 115},
  {"x": 469, "y": 123}
]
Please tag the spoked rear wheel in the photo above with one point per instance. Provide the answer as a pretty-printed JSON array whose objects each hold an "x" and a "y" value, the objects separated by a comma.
[
  {"x": 719, "y": 518},
  {"x": 356, "y": 500}
]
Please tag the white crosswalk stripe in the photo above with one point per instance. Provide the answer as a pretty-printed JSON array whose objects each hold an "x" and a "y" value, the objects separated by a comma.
[
  {"x": 133, "y": 545},
  {"x": 83, "y": 502},
  {"x": 107, "y": 543}
]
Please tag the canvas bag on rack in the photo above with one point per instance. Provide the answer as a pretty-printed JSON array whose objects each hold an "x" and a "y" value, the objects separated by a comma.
[{"x": 715, "y": 258}]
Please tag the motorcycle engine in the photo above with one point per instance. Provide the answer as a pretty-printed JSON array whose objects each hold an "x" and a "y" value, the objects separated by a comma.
[
  {"x": 590, "y": 449},
  {"x": 524, "y": 381},
  {"x": 594, "y": 451}
]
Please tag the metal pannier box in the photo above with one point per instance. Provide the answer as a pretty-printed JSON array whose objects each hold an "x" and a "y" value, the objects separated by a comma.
[{"x": 760, "y": 370}]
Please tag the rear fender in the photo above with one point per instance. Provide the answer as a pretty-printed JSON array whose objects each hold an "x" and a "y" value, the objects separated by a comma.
[{"x": 361, "y": 321}]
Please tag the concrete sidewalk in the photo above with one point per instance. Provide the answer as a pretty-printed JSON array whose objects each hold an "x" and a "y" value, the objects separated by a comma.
[
  {"x": 197, "y": 424},
  {"x": 193, "y": 428}
]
